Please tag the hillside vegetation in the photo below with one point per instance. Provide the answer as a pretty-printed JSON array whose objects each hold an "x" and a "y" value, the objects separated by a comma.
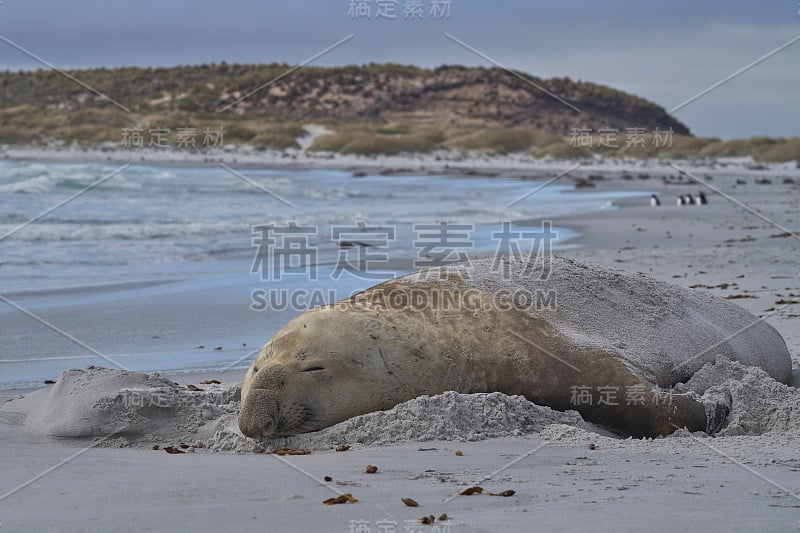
[{"x": 374, "y": 109}]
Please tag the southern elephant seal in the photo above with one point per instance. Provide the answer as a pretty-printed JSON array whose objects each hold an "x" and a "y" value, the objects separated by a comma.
[{"x": 565, "y": 340}]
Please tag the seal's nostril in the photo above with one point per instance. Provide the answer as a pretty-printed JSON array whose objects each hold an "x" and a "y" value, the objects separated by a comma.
[{"x": 255, "y": 369}]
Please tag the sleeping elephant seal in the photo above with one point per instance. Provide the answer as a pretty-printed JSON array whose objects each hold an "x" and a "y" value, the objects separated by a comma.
[{"x": 600, "y": 341}]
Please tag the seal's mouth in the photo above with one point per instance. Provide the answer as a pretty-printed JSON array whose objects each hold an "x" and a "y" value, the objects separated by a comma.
[
  {"x": 256, "y": 427},
  {"x": 263, "y": 417},
  {"x": 292, "y": 421}
]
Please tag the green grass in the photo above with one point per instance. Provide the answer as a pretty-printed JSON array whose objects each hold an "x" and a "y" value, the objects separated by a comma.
[
  {"x": 767, "y": 150},
  {"x": 369, "y": 139},
  {"x": 29, "y": 125}
]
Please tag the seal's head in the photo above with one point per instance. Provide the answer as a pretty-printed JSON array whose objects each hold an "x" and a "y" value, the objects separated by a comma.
[{"x": 323, "y": 367}]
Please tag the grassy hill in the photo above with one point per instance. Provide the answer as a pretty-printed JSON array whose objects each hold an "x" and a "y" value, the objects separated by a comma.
[{"x": 371, "y": 109}]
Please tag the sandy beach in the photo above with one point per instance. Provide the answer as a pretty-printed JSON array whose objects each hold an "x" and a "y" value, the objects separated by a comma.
[
  {"x": 431, "y": 266},
  {"x": 566, "y": 475}
]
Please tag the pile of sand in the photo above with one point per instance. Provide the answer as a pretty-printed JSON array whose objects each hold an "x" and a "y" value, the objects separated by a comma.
[
  {"x": 759, "y": 404},
  {"x": 122, "y": 408},
  {"x": 448, "y": 416},
  {"x": 134, "y": 409}
]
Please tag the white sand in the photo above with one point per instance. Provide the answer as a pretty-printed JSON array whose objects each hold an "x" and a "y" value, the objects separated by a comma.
[
  {"x": 450, "y": 416},
  {"x": 123, "y": 408},
  {"x": 567, "y": 477},
  {"x": 134, "y": 409}
]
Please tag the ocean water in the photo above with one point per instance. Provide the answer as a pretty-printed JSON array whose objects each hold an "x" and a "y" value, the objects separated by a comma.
[{"x": 156, "y": 259}]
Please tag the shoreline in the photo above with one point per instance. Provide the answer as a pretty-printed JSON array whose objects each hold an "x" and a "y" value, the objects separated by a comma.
[{"x": 435, "y": 163}]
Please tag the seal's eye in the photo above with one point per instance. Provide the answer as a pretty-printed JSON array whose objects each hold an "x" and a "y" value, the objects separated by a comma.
[{"x": 313, "y": 369}]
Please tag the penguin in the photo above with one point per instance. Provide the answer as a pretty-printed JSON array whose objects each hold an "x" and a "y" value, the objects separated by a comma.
[
  {"x": 655, "y": 201},
  {"x": 701, "y": 199},
  {"x": 689, "y": 199},
  {"x": 679, "y": 201}
]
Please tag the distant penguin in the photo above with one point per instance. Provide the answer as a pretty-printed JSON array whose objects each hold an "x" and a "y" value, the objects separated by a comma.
[
  {"x": 701, "y": 199},
  {"x": 655, "y": 201},
  {"x": 679, "y": 200},
  {"x": 689, "y": 199}
]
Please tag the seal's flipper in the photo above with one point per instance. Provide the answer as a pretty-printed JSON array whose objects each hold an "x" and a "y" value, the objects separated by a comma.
[
  {"x": 718, "y": 407},
  {"x": 657, "y": 413},
  {"x": 672, "y": 411}
]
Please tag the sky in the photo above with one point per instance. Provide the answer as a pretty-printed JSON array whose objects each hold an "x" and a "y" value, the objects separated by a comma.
[{"x": 664, "y": 51}]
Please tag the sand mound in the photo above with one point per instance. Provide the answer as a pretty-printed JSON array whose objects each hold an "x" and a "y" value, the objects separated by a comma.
[
  {"x": 135, "y": 409},
  {"x": 449, "y": 416},
  {"x": 123, "y": 408},
  {"x": 759, "y": 404}
]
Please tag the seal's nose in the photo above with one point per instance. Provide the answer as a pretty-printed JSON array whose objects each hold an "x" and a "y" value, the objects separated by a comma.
[
  {"x": 257, "y": 417},
  {"x": 259, "y": 410}
]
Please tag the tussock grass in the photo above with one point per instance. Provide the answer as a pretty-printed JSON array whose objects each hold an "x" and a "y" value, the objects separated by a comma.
[
  {"x": 370, "y": 139},
  {"x": 768, "y": 150},
  {"x": 500, "y": 141},
  {"x": 27, "y": 124}
]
